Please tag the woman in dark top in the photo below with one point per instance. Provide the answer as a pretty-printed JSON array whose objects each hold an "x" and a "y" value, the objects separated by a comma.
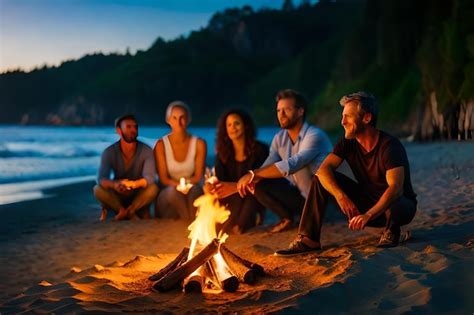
[{"x": 237, "y": 152}]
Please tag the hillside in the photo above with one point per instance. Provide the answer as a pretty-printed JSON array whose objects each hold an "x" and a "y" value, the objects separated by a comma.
[{"x": 417, "y": 57}]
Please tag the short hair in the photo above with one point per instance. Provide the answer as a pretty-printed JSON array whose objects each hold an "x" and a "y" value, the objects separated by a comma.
[
  {"x": 179, "y": 104},
  {"x": 300, "y": 100},
  {"x": 365, "y": 102},
  {"x": 118, "y": 120}
]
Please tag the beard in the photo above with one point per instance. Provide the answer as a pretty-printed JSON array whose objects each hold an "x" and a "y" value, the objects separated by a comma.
[
  {"x": 129, "y": 139},
  {"x": 352, "y": 132},
  {"x": 289, "y": 123}
]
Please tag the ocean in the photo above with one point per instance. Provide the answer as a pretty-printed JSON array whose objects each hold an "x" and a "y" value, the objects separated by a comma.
[{"x": 33, "y": 158}]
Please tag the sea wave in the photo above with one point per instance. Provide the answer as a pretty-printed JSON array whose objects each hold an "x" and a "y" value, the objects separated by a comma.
[{"x": 57, "y": 150}]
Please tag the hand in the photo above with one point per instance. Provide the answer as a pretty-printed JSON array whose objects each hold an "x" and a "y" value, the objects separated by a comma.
[
  {"x": 119, "y": 187},
  {"x": 347, "y": 206},
  {"x": 208, "y": 188},
  {"x": 242, "y": 184},
  {"x": 359, "y": 222},
  {"x": 225, "y": 189},
  {"x": 129, "y": 184}
]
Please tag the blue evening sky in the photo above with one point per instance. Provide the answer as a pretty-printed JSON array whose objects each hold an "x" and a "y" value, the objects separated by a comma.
[{"x": 38, "y": 32}]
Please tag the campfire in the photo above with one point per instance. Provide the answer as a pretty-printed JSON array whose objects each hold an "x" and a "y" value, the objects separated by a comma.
[{"x": 207, "y": 264}]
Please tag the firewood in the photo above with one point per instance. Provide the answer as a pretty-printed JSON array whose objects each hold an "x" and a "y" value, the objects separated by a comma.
[
  {"x": 230, "y": 283},
  {"x": 256, "y": 267},
  {"x": 193, "y": 283},
  {"x": 210, "y": 274},
  {"x": 243, "y": 273},
  {"x": 179, "y": 260},
  {"x": 172, "y": 279}
]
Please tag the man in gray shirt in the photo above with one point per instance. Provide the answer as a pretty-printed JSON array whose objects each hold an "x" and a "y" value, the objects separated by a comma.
[
  {"x": 282, "y": 183},
  {"x": 126, "y": 179}
]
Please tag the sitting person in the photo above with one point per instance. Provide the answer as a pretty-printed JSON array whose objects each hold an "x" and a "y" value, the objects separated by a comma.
[
  {"x": 133, "y": 187},
  {"x": 382, "y": 196},
  {"x": 179, "y": 156},
  {"x": 237, "y": 152},
  {"x": 282, "y": 183}
]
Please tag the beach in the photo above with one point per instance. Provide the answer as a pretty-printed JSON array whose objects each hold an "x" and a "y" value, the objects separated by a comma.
[{"x": 56, "y": 257}]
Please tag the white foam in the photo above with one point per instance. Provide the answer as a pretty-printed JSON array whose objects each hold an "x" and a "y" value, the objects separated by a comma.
[{"x": 17, "y": 192}]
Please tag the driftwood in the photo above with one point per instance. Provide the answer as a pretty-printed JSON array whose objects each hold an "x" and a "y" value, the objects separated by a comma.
[
  {"x": 178, "y": 261},
  {"x": 172, "y": 279},
  {"x": 254, "y": 266},
  {"x": 230, "y": 283},
  {"x": 243, "y": 273},
  {"x": 193, "y": 283}
]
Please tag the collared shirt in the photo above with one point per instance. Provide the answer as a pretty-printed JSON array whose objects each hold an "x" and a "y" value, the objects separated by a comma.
[
  {"x": 299, "y": 161},
  {"x": 141, "y": 166}
]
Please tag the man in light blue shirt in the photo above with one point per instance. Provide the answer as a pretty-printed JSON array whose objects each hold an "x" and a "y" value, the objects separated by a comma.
[{"x": 282, "y": 183}]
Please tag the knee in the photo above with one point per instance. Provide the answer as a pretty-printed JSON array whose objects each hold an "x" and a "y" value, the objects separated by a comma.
[
  {"x": 167, "y": 193},
  {"x": 98, "y": 191},
  {"x": 195, "y": 191},
  {"x": 262, "y": 186},
  {"x": 152, "y": 190}
]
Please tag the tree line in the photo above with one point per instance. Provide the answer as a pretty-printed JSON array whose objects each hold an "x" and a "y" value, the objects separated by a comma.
[{"x": 416, "y": 57}]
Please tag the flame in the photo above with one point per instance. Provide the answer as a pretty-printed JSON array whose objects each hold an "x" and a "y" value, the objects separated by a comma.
[{"x": 204, "y": 228}]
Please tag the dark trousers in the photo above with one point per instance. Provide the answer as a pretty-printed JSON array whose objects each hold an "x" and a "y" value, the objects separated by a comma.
[
  {"x": 401, "y": 211},
  {"x": 243, "y": 211},
  {"x": 280, "y": 196},
  {"x": 139, "y": 199}
]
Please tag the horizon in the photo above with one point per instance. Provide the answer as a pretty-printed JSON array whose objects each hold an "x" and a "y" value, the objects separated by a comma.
[{"x": 48, "y": 33}]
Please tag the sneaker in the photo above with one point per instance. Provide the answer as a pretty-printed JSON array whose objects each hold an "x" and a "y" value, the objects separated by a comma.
[
  {"x": 388, "y": 239},
  {"x": 297, "y": 247},
  {"x": 283, "y": 225}
]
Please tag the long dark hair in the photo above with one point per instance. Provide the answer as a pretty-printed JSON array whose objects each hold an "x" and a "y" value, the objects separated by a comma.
[{"x": 224, "y": 147}]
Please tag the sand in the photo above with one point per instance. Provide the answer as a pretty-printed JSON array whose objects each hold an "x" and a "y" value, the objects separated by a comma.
[{"x": 55, "y": 256}]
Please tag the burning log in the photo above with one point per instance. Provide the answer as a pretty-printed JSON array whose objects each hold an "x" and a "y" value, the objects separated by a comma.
[
  {"x": 193, "y": 283},
  {"x": 227, "y": 253},
  {"x": 209, "y": 273},
  {"x": 226, "y": 279},
  {"x": 172, "y": 279},
  {"x": 243, "y": 273},
  {"x": 178, "y": 261}
]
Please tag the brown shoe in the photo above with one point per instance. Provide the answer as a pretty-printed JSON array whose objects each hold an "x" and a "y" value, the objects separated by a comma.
[
  {"x": 283, "y": 225},
  {"x": 389, "y": 239},
  {"x": 298, "y": 246}
]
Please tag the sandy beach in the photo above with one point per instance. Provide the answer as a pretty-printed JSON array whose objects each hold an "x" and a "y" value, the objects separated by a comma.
[{"x": 56, "y": 257}]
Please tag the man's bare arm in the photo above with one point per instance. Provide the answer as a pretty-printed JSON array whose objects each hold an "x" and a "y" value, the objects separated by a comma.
[
  {"x": 326, "y": 177},
  {"x": 395, "y": 178},
  {"x": 270, "y": 171}
]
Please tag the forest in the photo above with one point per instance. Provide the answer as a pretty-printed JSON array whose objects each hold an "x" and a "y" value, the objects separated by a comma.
[{"x": 416, "y": 57}]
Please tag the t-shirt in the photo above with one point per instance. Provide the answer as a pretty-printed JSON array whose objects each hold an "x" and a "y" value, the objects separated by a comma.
[
  {"x": 141, "y": 166},
  {"x": 232, "y": 170},
  {"x": 370, "y": 168}
]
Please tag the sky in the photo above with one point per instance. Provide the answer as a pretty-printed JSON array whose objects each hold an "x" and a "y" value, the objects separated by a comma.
[{"x": 38, "y": 32}]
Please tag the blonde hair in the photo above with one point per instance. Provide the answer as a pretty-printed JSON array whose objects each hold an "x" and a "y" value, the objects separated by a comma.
[{"x": 179, "y": 104}]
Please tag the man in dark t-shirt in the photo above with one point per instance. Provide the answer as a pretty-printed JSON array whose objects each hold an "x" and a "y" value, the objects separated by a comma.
[{"x": 382, "y": 196}]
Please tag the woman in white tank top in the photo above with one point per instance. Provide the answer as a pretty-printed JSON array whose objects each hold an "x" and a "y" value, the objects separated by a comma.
[{"x": 179, "y": 155}]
